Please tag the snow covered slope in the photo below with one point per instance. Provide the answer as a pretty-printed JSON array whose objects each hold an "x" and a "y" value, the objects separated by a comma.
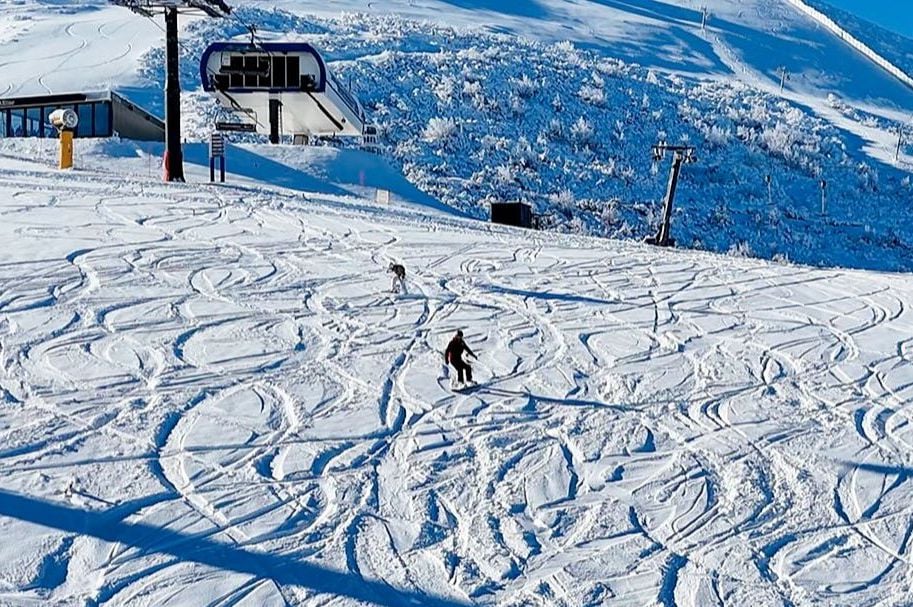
[
  {"x": 210, "y": 398},
  {"x": 62, "y": 47},
  {"x": 558, "y": 103}
]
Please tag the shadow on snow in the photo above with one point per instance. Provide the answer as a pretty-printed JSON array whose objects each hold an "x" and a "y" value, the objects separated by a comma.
[{"x": 282, "y": 569}]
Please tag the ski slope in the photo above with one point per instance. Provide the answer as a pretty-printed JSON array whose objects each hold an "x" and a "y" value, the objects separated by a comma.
[
  {"x": 65, "y": 47},
  {"x": 209, "y": 397},
  {"x": 558, "y": 104}
]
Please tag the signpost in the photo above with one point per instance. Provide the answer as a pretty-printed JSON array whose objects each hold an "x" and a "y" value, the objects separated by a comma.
[
  {"x": 238, "y": 127},
  {"x": 217, "y": 150}
]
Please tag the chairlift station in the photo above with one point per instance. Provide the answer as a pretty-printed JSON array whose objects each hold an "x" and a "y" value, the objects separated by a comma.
[{"x": 281, "y": 87}]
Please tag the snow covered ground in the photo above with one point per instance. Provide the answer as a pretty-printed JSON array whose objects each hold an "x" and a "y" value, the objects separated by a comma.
[
  {"x": 209, "y": 397},
  {"x": 64, "y": 47},
  {"x": 558, "y": 103}
]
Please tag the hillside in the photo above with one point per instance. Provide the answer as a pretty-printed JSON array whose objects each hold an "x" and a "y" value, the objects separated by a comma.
[
  {"x": 209, "y": 397},
  {"x": 473, "y": 117},
  {"x": 558, "y": 105},
  {"x": 894, "y": 47}
]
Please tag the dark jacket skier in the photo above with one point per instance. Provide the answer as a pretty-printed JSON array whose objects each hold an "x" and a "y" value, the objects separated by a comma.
[
  {"x": 453, "y": 355},
  {"x": 399, "y": 277}
]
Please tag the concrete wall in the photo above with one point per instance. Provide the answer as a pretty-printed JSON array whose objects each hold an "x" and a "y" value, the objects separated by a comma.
[
  {"x": 133, "y": 122},
  {"x": 854, "y": 42}
]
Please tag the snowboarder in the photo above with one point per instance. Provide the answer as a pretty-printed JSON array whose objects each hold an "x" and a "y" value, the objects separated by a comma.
[
  {"x": 399, "y": 277},
  {"x": 454, "y": 355}
]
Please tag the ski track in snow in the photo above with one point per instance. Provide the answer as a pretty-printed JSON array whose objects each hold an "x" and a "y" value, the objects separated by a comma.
[{"x": 651, "y": 427}]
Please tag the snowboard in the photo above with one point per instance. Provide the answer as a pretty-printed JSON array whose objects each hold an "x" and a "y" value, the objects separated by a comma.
[{"x": 464, "y": 388}]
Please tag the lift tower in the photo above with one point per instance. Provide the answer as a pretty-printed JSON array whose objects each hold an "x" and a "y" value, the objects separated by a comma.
[
  {"x": 174, "y": 155},
  {"x": 681, "y": 155}
]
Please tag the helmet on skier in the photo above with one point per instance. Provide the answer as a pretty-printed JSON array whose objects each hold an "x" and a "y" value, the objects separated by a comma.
[{"x": 459, "y": 333}]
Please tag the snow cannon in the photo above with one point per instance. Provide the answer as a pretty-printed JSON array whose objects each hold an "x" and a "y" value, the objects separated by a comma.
[
  {"x": 65, "y": 122},
  {"x": 64, "y": 119}
]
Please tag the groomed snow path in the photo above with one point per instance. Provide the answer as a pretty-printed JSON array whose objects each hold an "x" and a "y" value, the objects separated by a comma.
[{"x": 208, "y": 397}]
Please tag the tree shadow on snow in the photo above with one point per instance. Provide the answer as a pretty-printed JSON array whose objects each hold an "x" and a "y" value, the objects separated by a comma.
[{"x": 281, "y": 568}]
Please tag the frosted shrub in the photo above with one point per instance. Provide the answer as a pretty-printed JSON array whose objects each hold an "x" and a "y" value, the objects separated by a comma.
[
  {"x": 608, "y": 167},
  {"x": 577, "y": 225},
  {"x": 557, "y": 105},
  {"x": 627, "y": 174},
  {"x": 516, "y": 105},
  {"x": 445, "y": 89},
  {"x": 440, "y": 130},
  {"x": 472, "y": 88},
  {"x": 742, "y": 249},
  {"x": 611, "y": 67},
  {"x": 868, "y": 177},
  {"x": 717, "y": 136},
  {"x": 582, "y": 131},
  {"x": 504, "y": 175},
  {"x": 406, "y": 149},
  {"x": 523, "y": 153},
  {"x": 562, "y": 200},
  {"x": 470, "y": 55},
  {"x": 490, "y": 142},
  {"x": 554, "y": 130},
  {"x": 525, "y": 87},
  {"x": 794, "y": 116},
  {"x": 609, "y": 211},
  {"x": 779, "y": 140},
  {"x": 592, "y": 95},
  {"x": 759, "y": 113},
  {"x": 619, "y": 131}
]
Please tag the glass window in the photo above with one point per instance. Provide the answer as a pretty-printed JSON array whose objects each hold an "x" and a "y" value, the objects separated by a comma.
[
  {"x": 250, "y": 72},
  {"x": 103, "y": 119},
  {"x": 292, "y": 71},
  {"x": 278, "y": 72},
  {"x": 17, "y": 123},
  {"x": 33, "y": 121},
  {"x": 49, "y": 130},
  {"x": 4, "y": 118},
  {"x": 84, "y": 128}
]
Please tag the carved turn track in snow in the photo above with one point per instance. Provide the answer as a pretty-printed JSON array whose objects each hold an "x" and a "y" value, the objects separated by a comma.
[{"x": 227, "y": 365}]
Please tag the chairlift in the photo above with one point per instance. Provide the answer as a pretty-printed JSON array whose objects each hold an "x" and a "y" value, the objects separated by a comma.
[{"x": 289, "y": 75}]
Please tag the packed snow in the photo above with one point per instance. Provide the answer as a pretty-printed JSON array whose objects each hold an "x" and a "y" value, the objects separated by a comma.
[{"x": 210, "y": 396}]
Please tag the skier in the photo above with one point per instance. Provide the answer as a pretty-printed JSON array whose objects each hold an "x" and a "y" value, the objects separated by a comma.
[
  {"x": 399, "y": 277},
  {"x": 454, "y": 355}
]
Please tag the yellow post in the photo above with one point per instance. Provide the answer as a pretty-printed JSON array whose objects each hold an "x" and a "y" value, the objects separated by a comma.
[{"x": 66, "y": 149}]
